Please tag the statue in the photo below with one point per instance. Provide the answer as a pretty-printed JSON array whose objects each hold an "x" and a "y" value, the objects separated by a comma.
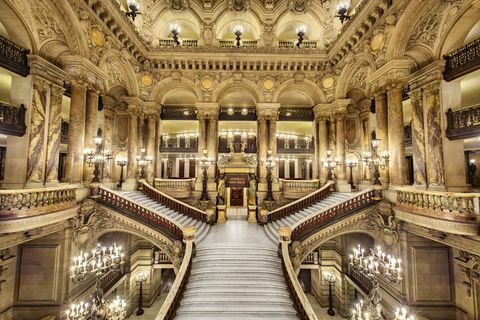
[
  {"x": 252, "y": 191},
  {"x": 221, "y": 191}
]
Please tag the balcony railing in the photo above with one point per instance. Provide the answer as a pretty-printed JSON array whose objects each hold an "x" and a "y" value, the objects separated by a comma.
[
  {"x": 12, "y": 120},
  {"x": 462, "y": 61},
  {"x": 190, "y": 43},
  {"x": 13, "y": 57},
  {"x": 462, "y": 124},
  {"x": 306, "y": 44},
  {"x": 295, "y": 145},
  {"x": 291, "y": 187},
  {"x": 30, "y": 202},
  {"x": 233, "y": 44},
  {"x": 437, "y": 204},
  {"x": 360, "y": 279},
  {"x": 177, "y": 188},
  {"x": 179, "y": 113},
  {"x": 179, "y": 144}
]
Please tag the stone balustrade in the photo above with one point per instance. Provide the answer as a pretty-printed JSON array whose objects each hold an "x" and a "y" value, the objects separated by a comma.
[
  {"x": 300, "y": 301},
  {"x": 299, "y": 185},
  {"x": 171, "y": 43},
  {"x": 177, "y": 188},
  {"x": 438, "y": 204},
  {"x": 232, "y": 43},
  {"x": 306, "y": 44},
  {"x": 31, "y": 202}
]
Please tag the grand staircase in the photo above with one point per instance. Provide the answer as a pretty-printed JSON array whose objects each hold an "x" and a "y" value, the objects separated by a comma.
[
  {"x": 332, "y": 199},
  {"x": 201, "y": 227},
  {"x": 236, "y": 274}
]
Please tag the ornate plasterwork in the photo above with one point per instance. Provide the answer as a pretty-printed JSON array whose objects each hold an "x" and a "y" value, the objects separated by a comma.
[
  {"x": 238, "y": 5},
  {"x": 426, "y": 30},
  {"x": 47, "y": 26},
  {"x": 470, "y": 264},
  {"x": 298, "y": 6},
  {"x": 178, "y": 4},
  {"x": 93, "y": 220}
]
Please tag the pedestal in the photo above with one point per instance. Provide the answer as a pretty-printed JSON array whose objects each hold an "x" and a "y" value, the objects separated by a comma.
[
  {"x": 221, "y": 210},
  {"x": 343, "y": 186},
  {"x": 252, "y": 214}
]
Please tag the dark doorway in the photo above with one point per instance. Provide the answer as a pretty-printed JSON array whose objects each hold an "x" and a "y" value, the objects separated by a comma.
[
  {"x": 410, "y": 171},
  {"x": 281, "y": 169},
  {"x": 236, "y": 198},
  {"x": 191, "y": 168},
  {"x": 291, "y": 165},
  {"x": 181, "y": 168}
]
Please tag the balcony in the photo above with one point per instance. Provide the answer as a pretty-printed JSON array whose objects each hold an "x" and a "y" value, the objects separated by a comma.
[
  {"x": 237, "y": 142},
  {"x": 462, "y": 124},
  {"x": 295, "y": 145},
  {"x": 306, "y": 44},
  {"x": 184, "y": 143},
  {"x": 179, "y": 113},
  {"x": 12, "y": 120},
  {"x": 13, "y": 57},
  {"x": 462, "y": 61},
  {"x": 170, "y": 43},
  {"x": 233, "y": 44}
]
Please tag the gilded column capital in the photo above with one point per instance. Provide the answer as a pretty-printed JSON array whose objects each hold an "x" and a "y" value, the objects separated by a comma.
[
  {"x": 208, "y": 110},
  {"x": 84, "y": 72},
  {"x": 42, "y": 68},
  {"x": 40, "y": 83},
  {"x": 57, "y": 91}
]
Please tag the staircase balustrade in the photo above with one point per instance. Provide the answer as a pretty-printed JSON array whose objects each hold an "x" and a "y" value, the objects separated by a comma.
[
  {"x": 300, "y": 301},
  {"x": 299, "y": 185},
  {"x": 360, "y": 279},
  {"x": 298, "y": 205},
  {"x": 309, "y": 225},
  {"x": 174, "y": 297},
  {"x": 438, "y": 204},
  {"x": 176, "y": 205},
  {"x": 175, "y": 185},
  {"x": 31, "y": 202},
  {"x": 161, "y": 223}
]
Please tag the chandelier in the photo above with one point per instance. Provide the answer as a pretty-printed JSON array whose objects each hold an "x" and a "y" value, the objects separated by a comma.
[
  {"x": 143, "y": 161},
  {"x": 102, "y": 261},
  {"x": 116, "y": 309},
  {"x": 98, "y": 157},
  {"x": 330, "y": 164},
  {"x": 78, "y": 311}
]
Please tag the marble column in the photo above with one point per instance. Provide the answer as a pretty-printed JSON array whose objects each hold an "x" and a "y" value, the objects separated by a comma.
[
  {"x": 76, "y": 134},
  {"x": 316, "y": 156},
  {"x": 366, "y": 142},
  {"x": 202, "y": 140},
  {"x": 323, "y": 146},
  {"x": 132, "y": 144},
  {"x": 91, "y": 128},
  {"x": 340, "y": 146},
  {"x": 332, "y": 135},
  {"x": 396, "y": 136},
  {"x": 109, "y": 117},
  {"x": 434, "y": 146},
  {"x": 262, "y": 146},
  {"x": 418, "y": 139},
  {"x": 159, "y": 161},
  {"x": 141, "y": 130},
  {"x": 212, "y": 142},
  {"x": 150, "y": 145},
  {"x": 381, "y": 115},
  {"x": 54, "y": 134},
  {"x": 37, "y": 151},
  {"x": 272, "y": 141}
]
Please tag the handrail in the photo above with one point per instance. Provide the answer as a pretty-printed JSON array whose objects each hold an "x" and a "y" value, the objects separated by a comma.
[
  {"x": 27, "y": 202},
  {"x": 308, "y": 225},
  {"x": 130, "y": 207},
  {"x": 175, "y": 204},
  {"x": 172, "y": 301},
  {"x": 299, "y": 204},
  {"x": 300, "y": 301},
  {"x": 444, "y": 205},
  {"x": 185, "y": 184}
]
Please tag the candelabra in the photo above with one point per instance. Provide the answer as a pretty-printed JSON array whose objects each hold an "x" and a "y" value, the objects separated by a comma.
[
  {"x": 300, "y": 33},
  {"x": 269, "y": 165},
  {"x": 133, "y": 9},
  {"x": 116, "y": 309},
  {"x": 351, "y": 164},
  {"x": 403, "y": 314},
  {"x": 205, "y": 163},
  {"x": 342, "y": 9},
  {"x": 143, "y": 161},
  {"x": 78, "y": 311},
  {"x": 238, "y": 30},
  {"x": 102, "y": 261},
  {"x": 330, "y": 164},
  {"x": 140, "y": 279},
  {"x": 175, "y": 28},
  {"x": 376, "y": 161},
  {"x": 372, "y": 266},
  {"x": 330, "y": 278},
  {"x": 122, "y": 162},
  {"x": 358, "y": 313},
  {"x": 98, "y": 157}
]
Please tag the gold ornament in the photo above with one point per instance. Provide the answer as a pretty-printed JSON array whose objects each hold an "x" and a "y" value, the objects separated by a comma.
[{"x": 97, "y": 37}]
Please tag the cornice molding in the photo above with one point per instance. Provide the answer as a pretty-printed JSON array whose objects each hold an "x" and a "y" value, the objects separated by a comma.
[
  {"x": 46, "y": 70},
  {"x": 432, "y": 73}
]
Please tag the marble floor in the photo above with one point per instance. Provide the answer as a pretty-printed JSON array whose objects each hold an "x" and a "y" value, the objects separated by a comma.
[
  {"x": 152, "y": 311},
  {"x": 321, "y": 312}
]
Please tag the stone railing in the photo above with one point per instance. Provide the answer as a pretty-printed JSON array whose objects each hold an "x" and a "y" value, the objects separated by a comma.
[
  {"x": 180, "y": 143},
  {"x": 12, "y": 120},
  {"x": 311, "y": 258},
  {"x": 155, "y": 220},
  {"x": 31, "y": 202},
  {"x": 300, "y": 301},
  {"x": 177, "y": 188},
  {"x": 297, "y": 205},
  {"x": 184, "y": 43},
  {"x": 176, "y": 205},
  {"x": 13, "y": 57},
  {"x": 464, "y": 123},
  {"x": 233, "y": 43},
  {"x": 331, "y": 214},
  {"x": 300, "y": 186},
  {"x": 306, "y": 44},
  {"x": 175, "y": 295},
  {"x": 462, "y": 61},
  {"x": 438, "y": 204}
]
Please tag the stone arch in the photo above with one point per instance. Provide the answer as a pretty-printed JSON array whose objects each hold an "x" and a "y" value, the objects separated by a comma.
[
  {"x": 345, "y": 84},
  {"x": 228, "y": 86},
  {"x": 289, "y": 21},
  {"x": 187, "y": 19},
  {"x": 168, "y": 84},
  {"x": 119, "y": 72},
  {"x": 307, "y": 87},
  {"x": 17, "y": 26},
  {"x": 249, "y": 20}
]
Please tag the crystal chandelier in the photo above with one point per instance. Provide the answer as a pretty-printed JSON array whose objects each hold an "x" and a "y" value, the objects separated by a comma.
[
  {"x": 116, "y": 309},
  {"x": 78, "y": 311},
  {"x": 403, "y": 314},
  {"x": 102, "y": 261}
]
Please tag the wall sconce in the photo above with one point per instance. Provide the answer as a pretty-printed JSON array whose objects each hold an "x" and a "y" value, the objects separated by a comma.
[
  {"x": 133, "y": 9},
  {"x": 175, "y": 29},
  {"x": 342, "y": 9},
  {"x": 300, "y": 33},
  {"x": 238, "y": 30}
]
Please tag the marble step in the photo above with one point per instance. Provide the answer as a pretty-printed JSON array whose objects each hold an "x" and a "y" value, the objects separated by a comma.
[{"x": 234, "y": 316}]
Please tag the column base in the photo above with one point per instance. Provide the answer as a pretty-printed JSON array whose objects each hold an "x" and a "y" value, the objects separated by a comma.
[
  {"x": 222, "y": 217},
  {"x": 252, "y": 214},
  {"x": 420, "y": 186},
  {"x": 437, "y": 187}
]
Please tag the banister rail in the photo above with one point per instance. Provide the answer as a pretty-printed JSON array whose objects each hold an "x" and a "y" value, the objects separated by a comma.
[
  {"x": 172, "y": 301},
  {"x": 462, "y": 61},
  {"x": 174, "y": 185},
  {"x": 129, "y": 207},
  {"x": 176, "y": 205},
  {"x": 297, "y": 205},
  {"x": 309, "y": 225},
  {"x": 300, "y": 301},
  {"x": 444, "y": 205},
  {"x": 29, "y": 202}
]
